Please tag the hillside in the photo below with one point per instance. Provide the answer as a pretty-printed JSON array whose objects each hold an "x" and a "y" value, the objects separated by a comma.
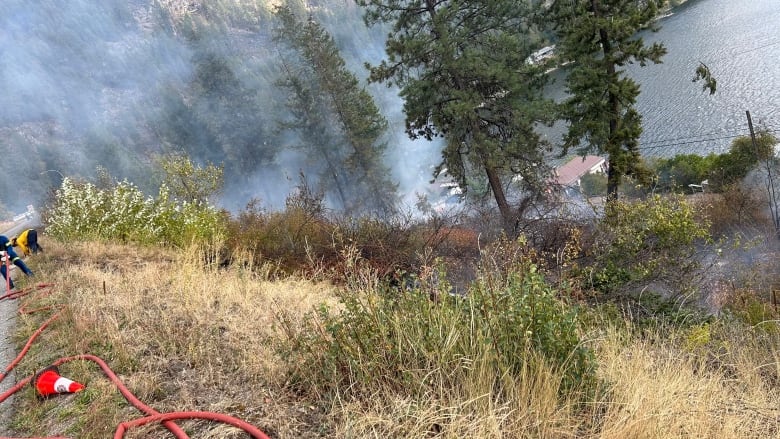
[
  {"x": 111, "y": 85},
  {"x": 651, "y": 316},
  {"x": 119, "y": 83},
  {"x": 179, "y": 337},
  {"x": 184, "y": 336}
]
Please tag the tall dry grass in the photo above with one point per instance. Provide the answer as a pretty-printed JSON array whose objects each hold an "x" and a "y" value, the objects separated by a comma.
[
  {"x": 658, "y": 386},
  {"x": 182, "y": 335},
  {"x": 662, "y": 388},
  {"x": 185, "y": 336}
]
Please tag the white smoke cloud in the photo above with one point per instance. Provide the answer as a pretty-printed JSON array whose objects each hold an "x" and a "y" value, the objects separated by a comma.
[{"x": 82, "y": 82}]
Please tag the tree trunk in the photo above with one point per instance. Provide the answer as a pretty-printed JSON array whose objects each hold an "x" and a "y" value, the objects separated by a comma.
[
  {"x": 613, "y": 182},
  {"x": 613, "y": 176},
  {"x": 498, "y": 193}
]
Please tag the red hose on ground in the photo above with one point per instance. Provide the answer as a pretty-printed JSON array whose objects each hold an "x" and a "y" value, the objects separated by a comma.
[
  {"x": 18, "y": 386},
  {"x": 152, "y": 415},
  {"x": 24, "y": 351},
  {"x": 122, "y": 427}
]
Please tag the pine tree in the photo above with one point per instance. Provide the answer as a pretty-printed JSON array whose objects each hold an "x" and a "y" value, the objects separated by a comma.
[
  {"x": 600, "y": 37},
  {"x": 310, "y": 118},
  {"x": 461, "y": 68},
  {"x": 329, "y": 103},
  {"x": 231, "y": 112}
]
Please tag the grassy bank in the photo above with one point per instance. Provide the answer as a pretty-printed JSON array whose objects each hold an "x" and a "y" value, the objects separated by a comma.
[
  {"x": 179, "y": 336},
  {"x": 184, "y": 336}
]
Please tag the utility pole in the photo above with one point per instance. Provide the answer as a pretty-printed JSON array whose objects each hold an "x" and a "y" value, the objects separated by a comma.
[{"x": 770, "y": 184}]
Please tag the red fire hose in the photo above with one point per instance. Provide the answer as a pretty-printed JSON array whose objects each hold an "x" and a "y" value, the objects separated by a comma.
[{"x": 151, "y": 415}]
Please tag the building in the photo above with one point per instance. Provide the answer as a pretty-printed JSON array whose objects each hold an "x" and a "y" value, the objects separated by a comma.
[
  {"x": 569, "y": 175},
  {"x": 541, "y": 55}
]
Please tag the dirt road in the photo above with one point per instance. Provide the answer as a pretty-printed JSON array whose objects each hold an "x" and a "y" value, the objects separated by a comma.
[
  {"x": 8, "y": 309},
  {"x": 8, "y": 313}
]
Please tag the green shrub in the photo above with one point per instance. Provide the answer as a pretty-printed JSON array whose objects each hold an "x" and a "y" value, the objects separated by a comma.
[
  {"x": 746, "y": 306},
  {"x": 420, "y": 339},
  {"x": 525, "y": 311},
  {"x": 676, "y": 173},
  {"x": 123, "y": 213},
  {"x": 642, "y": 243},
  {"x": 594, "y": 184},
  {"x": 721, "y": 170},
  {"x": 697, "y": 337},
  {"x": 743, "y": 156}
]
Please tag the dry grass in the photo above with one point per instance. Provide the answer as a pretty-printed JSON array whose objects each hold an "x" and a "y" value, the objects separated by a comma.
[
  {"x": 180, "y": 335},
  {"x": 661, "y": 391},
  {"x": 533, "y": 411},
  {"x": 738, "y": 210},
  {"x": 187, "y": 337}
]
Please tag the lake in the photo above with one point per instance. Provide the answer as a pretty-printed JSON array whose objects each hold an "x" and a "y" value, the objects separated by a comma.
[{"x": 739, "y": 40}]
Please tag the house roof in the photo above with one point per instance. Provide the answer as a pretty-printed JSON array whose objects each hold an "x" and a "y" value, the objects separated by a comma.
[{"x": 569, "y": 173}]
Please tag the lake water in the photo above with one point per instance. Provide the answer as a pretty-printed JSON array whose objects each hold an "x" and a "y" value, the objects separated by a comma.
[{"x": 740, "y": 42}]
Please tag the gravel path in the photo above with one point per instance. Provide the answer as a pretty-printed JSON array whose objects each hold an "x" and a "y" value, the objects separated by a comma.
[
  {"x": 8, "y": 310},
  {"x": 8, "y": 313}
]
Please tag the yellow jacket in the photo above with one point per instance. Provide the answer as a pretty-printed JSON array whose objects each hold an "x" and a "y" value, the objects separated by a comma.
[{"x": 21, "y": 242}]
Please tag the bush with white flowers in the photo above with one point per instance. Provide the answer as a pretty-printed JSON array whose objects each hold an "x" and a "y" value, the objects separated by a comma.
[{"x": 123, "y": 213}]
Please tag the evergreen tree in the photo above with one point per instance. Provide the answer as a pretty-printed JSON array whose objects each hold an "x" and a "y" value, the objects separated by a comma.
[
  {"x": 217, "y": 119},
  {"x": 600, "y": 37},
  {"x": 461, "y": 67},
  {"x": 308, "y": 116},
  {"x": 337, "y": 117}
]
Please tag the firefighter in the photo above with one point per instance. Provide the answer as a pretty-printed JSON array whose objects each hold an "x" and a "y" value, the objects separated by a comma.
[
  {"x": 27, "y": 241},
  {"x": 9, "y": 255}
]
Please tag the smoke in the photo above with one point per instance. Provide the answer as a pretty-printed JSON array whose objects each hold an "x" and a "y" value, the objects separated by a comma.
[
  {"x": 77, "y": 78},
  {"x": 109, "y": 83},
  {"x": 75, "y": 64},
  {"x": 412, "y": 161}
]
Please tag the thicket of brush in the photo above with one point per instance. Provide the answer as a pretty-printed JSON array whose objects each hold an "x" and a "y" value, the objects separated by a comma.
[
  {"x": 311, "y": 327},
  {"x": 121, "y": 212}
]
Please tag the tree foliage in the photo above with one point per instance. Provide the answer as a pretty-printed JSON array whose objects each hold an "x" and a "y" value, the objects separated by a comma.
[
  {"x": 600, "y": 37},
  {"x": 461, "y": 67},
  {"x": 337, "y": 118},
  {"x": 188, "y": 181},
  {"x": 218, "y": 118},
  {"x": 703, "y": 73},
  {"x": 678, "y": 172},
  {"x": 648, "y": 243},
  {"x": 593, "y": 184},
  {"x": 743, "y": 156}
]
